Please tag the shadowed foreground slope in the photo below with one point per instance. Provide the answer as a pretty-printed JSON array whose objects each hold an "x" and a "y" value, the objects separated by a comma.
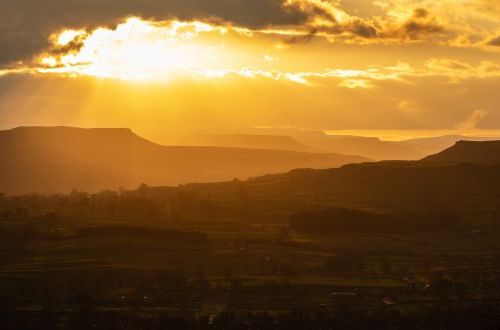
[{"x": 464, "y": 177}]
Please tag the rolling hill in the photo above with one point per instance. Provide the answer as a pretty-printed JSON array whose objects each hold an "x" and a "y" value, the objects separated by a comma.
[
  {"x": 464, "y": 177},
  {"x": 58, "y": 159}
]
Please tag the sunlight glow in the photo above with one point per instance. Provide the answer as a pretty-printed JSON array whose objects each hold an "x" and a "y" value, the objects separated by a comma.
[
  {"x": 67, "y": 36},
  {"x": 136, "y": 49},
  {"x": 139, "y": 49}
]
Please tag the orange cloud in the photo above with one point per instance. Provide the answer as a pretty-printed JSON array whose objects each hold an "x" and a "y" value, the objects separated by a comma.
[{"x": 138, "y": 49}]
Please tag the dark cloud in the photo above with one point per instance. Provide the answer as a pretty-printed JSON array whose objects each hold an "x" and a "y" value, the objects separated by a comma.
[
  {"x": 421, "y": 24},
  {"x": 420, "y": 13},
  {"x": 72, "y": 47},
  {"x": 322, "y": 19},
  {"x": 364, "y": 30},
  {"x": 25, "y": 25},
  {"x": 302, "y": 39},
  {"x": 494, "y": 42},
  {"x": 356, "y": 28}
]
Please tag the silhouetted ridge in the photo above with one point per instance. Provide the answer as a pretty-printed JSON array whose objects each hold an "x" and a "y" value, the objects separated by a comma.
[
  {"x": 50, "y": 134},
  {"x": 385, "y": 186},
  {"x": 485, "y": 152}
]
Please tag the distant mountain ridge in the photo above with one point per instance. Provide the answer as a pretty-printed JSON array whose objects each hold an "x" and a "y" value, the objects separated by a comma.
[
  {"x": 252, "y": 141},
  {"x": 370, "y": 147},
  {"x": 58, "y": 159}
]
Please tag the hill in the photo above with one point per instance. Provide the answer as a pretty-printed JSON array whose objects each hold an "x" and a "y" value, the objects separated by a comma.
[
  {"x": 432, "y": 145},
  {"x": 252, "y": 141},
  {"x": 404, "y": 186},
  {"x": 370, "y": 147},
  {"x": 57, "y": 159},
  {"x": 484, "y": 152}
]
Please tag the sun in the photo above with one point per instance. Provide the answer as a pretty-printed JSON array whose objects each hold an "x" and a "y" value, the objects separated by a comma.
[{"x": 134, "y": 50}]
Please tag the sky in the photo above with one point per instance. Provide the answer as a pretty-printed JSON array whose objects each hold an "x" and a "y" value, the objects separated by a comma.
[{"x": 169, "y": 68}]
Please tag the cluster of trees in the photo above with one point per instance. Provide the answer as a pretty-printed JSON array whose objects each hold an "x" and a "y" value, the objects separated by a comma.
[
  {"x": 150, "y": 202},
  {"x": 80, "y": 203},
  {"x": 341, "y": 220}
]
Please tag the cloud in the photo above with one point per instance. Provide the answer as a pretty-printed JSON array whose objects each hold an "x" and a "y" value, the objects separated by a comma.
[
  {"x": 408, "y": 106},
  {"x": 355, "y": 83},
  {"x": 474, "y": 119},
  {"x": 328, "y": 19},
  {"x": 141, "y": 49},
  {"x": 494, "y": 42},
  {"x": 443, "y": 65},
  {"x": 322, "y": 103},
  {"x": 458, "y": 70},
  {"x": 419, "y": 25},
  {"x": 26, "y": 24},
  {"x": 149, "y": 50}
]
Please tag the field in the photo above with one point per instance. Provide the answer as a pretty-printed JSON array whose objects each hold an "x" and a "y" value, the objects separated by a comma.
[
  {"x": 245, "y": 259},
  {"x": 220, "y": 261}
]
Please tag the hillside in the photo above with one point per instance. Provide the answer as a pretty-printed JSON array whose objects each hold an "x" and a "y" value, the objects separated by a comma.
[
  {"x": 381, "y": 186},
  {"x": 485, "y": 152},
  {"x": 55, "y": 159}
]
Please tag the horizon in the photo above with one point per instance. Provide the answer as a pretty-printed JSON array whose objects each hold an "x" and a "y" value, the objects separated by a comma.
[
  {"x": 383, "y": 135},
  {"x": 389, "y": 69}
]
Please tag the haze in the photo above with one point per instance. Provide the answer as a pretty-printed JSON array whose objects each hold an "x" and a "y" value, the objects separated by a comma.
[{"x": 170, "y": 71}]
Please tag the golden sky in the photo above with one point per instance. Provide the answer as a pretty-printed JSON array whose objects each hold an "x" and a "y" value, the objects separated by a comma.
[{"x": 387, "y": 68}]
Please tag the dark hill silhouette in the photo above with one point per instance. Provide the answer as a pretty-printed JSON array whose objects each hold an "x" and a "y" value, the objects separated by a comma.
[
  {"x": 404, "y": 186},
  {"x": 432, "y": 145},
  {"x": 485, "y": 152},
  {"x": 57, "y": 159}
]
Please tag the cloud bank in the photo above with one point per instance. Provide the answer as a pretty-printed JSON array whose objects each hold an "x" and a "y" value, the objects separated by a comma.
[{"x": 25, "y": 25}]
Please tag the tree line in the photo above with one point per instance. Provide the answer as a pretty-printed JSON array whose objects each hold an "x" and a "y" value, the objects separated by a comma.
[{"x": 342, "y": 220}]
